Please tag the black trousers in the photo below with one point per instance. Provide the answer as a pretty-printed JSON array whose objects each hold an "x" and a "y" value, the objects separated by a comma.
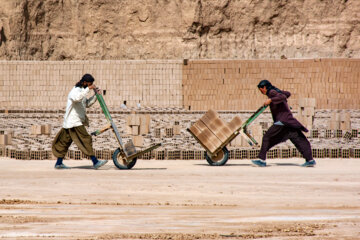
[{"x": 277, "y": 134}]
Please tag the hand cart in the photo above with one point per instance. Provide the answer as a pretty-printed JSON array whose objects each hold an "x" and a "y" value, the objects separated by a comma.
[
  {"x": 220, "y": 156},
  {"x": 126, "y": 155}
]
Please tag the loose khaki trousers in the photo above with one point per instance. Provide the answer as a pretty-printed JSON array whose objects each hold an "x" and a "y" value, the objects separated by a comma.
[{"x": 65, "y": 137}]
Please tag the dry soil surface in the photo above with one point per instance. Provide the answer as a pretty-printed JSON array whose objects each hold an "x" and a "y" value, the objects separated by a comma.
[{"x": 180, "y": 200}]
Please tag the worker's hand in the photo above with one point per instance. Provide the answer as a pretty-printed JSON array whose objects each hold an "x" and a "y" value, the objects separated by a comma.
[
  {"x": 92, "y": 86},
  {"x": 267, "y": 102},
  {"x": 97, "y": 90}
]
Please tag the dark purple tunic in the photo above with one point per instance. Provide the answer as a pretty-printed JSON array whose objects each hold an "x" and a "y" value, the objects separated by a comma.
[{"x": 280, "y": 110}]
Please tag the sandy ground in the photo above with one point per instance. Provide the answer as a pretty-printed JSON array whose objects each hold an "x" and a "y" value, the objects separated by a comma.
[{"x": 180, "y": 200}]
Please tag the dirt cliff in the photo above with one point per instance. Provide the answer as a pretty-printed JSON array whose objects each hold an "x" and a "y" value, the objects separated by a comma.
[{"x": 176, "y": 29}]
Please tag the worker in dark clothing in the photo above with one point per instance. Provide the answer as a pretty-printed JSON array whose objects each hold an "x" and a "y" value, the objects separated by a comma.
[{"x": 285, "y": 126}]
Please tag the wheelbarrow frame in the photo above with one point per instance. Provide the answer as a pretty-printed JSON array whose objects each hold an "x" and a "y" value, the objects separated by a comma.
[
  {"x": 128, "y": 159},
  {"x": 241, "y": 130}
]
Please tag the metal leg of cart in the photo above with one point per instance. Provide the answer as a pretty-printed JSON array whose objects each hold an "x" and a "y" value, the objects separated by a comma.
[{"x": 125, "y": 156}]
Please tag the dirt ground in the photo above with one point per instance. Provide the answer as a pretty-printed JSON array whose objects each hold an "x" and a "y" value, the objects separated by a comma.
[{"x": 180, "y": 200}]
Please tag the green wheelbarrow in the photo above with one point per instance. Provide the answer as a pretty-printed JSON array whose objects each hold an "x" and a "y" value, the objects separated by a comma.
[
  {"x": 219, "y": 155},
  {"x": 125, "y": 156}
]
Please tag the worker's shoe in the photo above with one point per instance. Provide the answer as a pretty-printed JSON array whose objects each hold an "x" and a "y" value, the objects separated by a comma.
[
  {"x": 61, "y": 166},
  {"x": 100, "y": 163},
  {"x": 259, "y": 163},
  {"x": 310, "y": 163}
]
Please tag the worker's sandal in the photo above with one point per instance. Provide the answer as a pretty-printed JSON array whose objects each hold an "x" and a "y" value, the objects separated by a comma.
[
  {"x": 61, "y": 166},
  {"x": 259, "y": 163},
  {"x": 310, "y": 163},
  {"x": 100, "y": 163}
]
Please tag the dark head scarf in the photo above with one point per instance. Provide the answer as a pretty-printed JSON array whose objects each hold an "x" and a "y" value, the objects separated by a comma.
[
  {"x": 86, "y": 78},
  {"x": 268, "y": 85}
]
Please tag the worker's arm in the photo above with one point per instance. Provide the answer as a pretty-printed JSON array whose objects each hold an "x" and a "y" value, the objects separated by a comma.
[
  {"x": 78, "y": 94},
  {"x": 276, "y": 97}
]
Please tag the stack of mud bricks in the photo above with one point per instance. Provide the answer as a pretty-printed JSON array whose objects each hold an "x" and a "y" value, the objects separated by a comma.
[
  {"x": 212, "y": 132},
  {"x": 40, "y": 129},
  {"x": 339, "y": 123},
  {"x": 137, "y": 126},
  {"x": 5, "y": 139},
  {"x": 306, "y": 112}
]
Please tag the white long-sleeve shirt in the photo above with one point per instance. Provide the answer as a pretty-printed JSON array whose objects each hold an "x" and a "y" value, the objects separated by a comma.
[{"x": 77, "y": 103}]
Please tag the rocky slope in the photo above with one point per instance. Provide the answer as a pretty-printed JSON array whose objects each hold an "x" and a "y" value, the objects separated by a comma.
[{"x": 175, "y": 29}]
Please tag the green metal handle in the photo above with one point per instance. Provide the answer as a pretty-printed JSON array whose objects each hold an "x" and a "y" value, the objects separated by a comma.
[{"x": 103, "y": 106}]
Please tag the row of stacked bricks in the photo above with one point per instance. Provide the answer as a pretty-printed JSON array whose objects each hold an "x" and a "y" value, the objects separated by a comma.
[
  {"x": 39, "y": 84},
  {"x": 137, "y": 125},
  {"x": 212, "y": 132},
  {"x": 231, "y": 84}
]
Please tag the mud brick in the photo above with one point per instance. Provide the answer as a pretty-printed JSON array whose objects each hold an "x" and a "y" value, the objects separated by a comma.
[
  {"x": 18, "y": 154},
  {"x": 273, "y": 153},
  {"x": 7, "y": 152},
  {"x": 2, "y": 151},
  {"x": 71, "y": 154},
  {"x": 135, "y": 130},
  {"x": 232, "y": 154},
  {"x": 318, "y": 152},
  {"x": 199, "y": 154},
  {"x": 84, "y": 156},
  {"x": 158, "y": 132},
  {"x": 345, "y": 153},
  {"x": 355, "y": 153},
  {"x": 210, "y": 141},
  {"x": 348, "y": 135},
  {"x": 241, "y": 154},
  {"x": 144, "y": 124},
  {"x": 169, "y": 132},
  {"x": 13, "y": 153},
  {"x": 25, "y": 155},
  {"x": 335, "y": 153},
  {"x": 46, "y": 129},
  {"x": 188, "y": 154},
  {"x": 221, "y": 131},
  {"x": 253, "y": 153},
  {"x": 285, "y": 153},
  {"x": 35, "y": 130},
  {"x": 98, "y": 154},
  {"x": 209, "y": 115},
  {"x": 106, "y": 154},
  {"x": 354, "y": 133},
  {"x": 77, "y": 155},
  {"x": 173, "y": 154},
  {"x": 338, "y": 133},
  {"x": 5, "y": 139},
  {"x": 177, "y": 129},
  {"x": 328, "y": 133},
  {"x": 160, "y": 155},
  {"x": 314, "y": 133},
  {"x": 44, "y": 155},
  {"x": 145, "y": 156},
  {"x": 235, "y": 123},
  {"x": 138, "y": 141},
  {"x": 133, "y": 120},
  {"x": 36, "y": 154}
]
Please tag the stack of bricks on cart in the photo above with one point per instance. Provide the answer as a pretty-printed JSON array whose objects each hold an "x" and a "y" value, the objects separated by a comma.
[{"x": 212, "y": 132}]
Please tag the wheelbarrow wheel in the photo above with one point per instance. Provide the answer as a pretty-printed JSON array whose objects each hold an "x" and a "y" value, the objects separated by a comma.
[
  {"x": 220, "y": 159},
  {"x": 120, "y": 162}
]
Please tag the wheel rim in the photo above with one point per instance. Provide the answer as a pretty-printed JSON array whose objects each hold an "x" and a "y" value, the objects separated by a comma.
[
  {"x": 218, "y": 157},
  {"x": 121, "y": 160}
]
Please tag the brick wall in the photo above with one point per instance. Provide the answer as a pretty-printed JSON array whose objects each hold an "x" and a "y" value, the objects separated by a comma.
[
  {"x": 39, "y": 84},
  {"x": 198, "y": 85},
  {"x": 232, "y": 84}
]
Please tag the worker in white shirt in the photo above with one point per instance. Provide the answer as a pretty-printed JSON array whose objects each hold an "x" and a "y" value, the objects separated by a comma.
[{"x": 75, "y": 120}]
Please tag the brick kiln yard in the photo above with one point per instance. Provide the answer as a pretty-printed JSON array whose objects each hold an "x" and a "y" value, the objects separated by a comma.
[{"x": 182, "y": 199}]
